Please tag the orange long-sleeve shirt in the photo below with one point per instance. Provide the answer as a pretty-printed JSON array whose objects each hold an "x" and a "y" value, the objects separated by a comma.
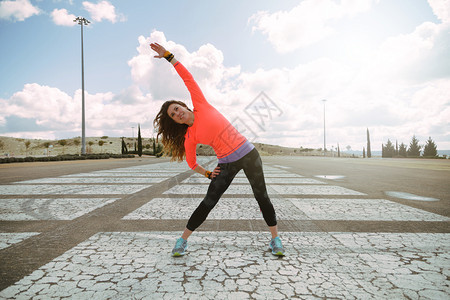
[{"x": 210, "y": 127}]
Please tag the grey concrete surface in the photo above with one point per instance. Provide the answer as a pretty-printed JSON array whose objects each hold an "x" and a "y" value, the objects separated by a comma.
[{"x": 105, "y": 229}]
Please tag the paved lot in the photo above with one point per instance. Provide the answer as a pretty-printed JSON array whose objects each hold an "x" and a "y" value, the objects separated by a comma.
[{"x": 352, "y": 229}]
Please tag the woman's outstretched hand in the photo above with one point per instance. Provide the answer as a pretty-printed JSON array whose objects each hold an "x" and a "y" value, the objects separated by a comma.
[{"x": 158, "y": 49}]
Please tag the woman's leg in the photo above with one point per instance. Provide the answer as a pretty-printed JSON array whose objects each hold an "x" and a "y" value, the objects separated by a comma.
[
  {"x": 254, "y": 172},
  {"x": 217, "y": 187},
  {"x": 274, "y": 231},
  {"x": 186, "y": 234},
  {"x": 252, "y": 166}
]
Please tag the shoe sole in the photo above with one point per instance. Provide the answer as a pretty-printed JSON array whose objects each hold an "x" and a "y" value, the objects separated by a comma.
[
  {"x": 178, "y": 254},
  {"x": 279, "y": 253}
]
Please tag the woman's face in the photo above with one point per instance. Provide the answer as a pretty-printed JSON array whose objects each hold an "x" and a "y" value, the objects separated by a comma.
[{"x": 179, "y": 113}]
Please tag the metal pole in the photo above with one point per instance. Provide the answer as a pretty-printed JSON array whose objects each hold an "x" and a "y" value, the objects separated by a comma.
[
  {"x": 82, "y": 21},
  {"x": 324, "y": 135},
  {"x": 83, "y": 123}
]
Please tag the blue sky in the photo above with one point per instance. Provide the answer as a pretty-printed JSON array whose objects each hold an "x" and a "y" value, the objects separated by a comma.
[{"x": 382, "y": 65}]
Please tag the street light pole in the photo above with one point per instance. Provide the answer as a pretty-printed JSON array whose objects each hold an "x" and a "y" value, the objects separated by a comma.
[
  {"x": 324, "y": 135},
  {"x": 82, "y": 21}
]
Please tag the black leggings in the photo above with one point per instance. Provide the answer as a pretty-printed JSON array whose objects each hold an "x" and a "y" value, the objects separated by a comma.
[{"x": 252, "y": 165}]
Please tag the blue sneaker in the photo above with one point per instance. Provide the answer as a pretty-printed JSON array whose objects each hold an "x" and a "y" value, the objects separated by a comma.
[
  {"x": 276, "y": 247},
  {"x": 180, "y": 247}
]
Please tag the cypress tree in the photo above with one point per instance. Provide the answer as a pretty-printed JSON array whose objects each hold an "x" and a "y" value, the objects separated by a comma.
[
  {"x": 402, "y": 150},
  {"x": 154, "y": 147},
  {"x": 430, "y": 149},
  {"x": 364, "y": 152},
  {"x": 369, "y": 152},
  {"x": 388, "y": 150},
  {"x": 124, "y": 147},
  {"x": 414, "y": 148},
  {"x": 396, "y": 148},
  {"x": 139, "y": 141}
]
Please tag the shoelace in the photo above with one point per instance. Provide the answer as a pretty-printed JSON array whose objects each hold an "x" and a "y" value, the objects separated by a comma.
[
  {"x": 277, "y": 243},
  {"x": 179, "y": 244}
]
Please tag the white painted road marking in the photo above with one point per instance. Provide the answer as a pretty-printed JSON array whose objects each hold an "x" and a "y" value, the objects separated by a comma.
[
  {"x": 10, "y": 238},
  {"x": 35, "y": 189},
  {"x": 49, "y": 209},
  {"x": 409, "y": 196}
]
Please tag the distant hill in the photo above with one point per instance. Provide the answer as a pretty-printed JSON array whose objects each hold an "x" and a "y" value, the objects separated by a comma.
[
  {"x": 17, "y": 147},
  {"x": 10, "y": 146}
]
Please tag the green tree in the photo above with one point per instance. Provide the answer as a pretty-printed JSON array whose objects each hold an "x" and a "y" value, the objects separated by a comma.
[
  {"x": 388, "y": 150},
  {"x": 396, "y": 148},
  {"x": 90, "y": 143},
  {"x": 402, "y": 150},
  {"x": 47, "y": 145},
  {"x": 364, "y": 152},
  {"x": 430, "y": 148},
  {"x": 369, "y": 151},
  {"x": 139, "y": 141},
  {"x": 124, "y": 147},
  {"x": 154, "y": 147},
  {"x": 414, "y": 148},
  {"x": 100, "y": 143},
  {"x": 63, "y": 143},
  {"x": 27, "y": 145}
]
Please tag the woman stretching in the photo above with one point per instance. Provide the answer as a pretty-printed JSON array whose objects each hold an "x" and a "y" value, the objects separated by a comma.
[{"x": 182, "y": 129}]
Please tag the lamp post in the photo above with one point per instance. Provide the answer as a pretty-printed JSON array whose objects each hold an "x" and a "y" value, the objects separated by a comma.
[
  {"x": 324, "y": 135},
  {"x": 82, "y": 21}
]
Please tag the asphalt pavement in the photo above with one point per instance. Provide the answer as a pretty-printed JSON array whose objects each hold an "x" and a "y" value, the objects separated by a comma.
[{"x": 352, "y": 228}]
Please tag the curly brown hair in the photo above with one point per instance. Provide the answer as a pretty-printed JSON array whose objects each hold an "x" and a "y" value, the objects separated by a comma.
[{"x": 171, "y": 132}]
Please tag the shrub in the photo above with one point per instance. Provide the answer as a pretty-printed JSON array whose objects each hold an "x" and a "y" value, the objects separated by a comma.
[{"x": 63, "y": 157}]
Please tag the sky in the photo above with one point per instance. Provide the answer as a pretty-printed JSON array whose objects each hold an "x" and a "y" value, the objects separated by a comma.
[{"x": 268, "y": 66}]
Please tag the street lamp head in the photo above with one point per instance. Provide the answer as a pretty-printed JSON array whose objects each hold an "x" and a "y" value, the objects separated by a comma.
[{"x": 82, "y": 21}]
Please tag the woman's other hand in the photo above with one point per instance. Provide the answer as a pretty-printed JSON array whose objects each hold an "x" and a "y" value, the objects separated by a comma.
[{"x": 215, "y": 172}]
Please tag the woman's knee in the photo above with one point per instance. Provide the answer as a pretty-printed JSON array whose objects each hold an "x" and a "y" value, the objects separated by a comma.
[{"x": 209, "y": 202}]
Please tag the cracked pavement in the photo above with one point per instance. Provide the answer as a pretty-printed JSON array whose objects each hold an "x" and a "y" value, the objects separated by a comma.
[{"x": 107, "y": 234}]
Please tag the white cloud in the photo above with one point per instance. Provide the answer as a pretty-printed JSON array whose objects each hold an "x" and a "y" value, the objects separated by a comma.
[
  {"x": 378, "y": 95},
  {"x": 62, "y": 17},
  {"x": 17, "y": 10},
  {"x": 33, "y": 102},
  {"x": 155, "y": 76},
  {"x": 103, "y": 10},
  {"x": 27, "y": 112},
  {"x": 306, "y": 23},
  {"x": 441, "y": 8}
]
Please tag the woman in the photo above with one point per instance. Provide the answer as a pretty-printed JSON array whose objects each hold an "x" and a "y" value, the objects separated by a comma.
[{"x": 182, "y": 129}]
